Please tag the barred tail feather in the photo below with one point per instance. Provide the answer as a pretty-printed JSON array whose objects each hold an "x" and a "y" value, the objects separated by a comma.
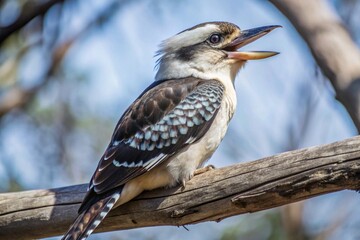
[{"x": 89, "y": 219}]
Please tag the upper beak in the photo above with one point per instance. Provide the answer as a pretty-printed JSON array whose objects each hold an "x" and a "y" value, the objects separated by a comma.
[{"x": 246, "y": 37}]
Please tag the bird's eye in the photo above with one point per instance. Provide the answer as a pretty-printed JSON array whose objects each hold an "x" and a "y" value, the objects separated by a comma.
[{"x": 215, "y": 38}]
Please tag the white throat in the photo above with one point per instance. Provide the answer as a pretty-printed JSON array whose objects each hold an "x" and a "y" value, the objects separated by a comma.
[{"x": 176, "y": 69}]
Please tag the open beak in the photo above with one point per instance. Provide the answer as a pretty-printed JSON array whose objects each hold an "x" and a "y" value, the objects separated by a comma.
[{"x": 246, "y": 37}]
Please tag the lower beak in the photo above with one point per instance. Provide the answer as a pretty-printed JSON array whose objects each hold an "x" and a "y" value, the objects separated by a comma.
[
  {"x": 251, "y": 55},
  {"x": 246, "y": 37}
]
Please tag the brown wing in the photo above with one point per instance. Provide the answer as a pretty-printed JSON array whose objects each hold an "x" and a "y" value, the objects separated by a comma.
[{"x": 167, "y": 117}]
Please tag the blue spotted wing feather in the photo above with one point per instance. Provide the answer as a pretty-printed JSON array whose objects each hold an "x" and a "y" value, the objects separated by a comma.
[{"x": 167, "y": 117}]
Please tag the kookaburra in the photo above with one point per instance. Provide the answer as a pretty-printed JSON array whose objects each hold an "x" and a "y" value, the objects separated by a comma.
[{"x": 176, "y": 123}]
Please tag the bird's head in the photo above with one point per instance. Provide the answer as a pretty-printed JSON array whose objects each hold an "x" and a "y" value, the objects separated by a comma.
[{"x": 209, "y": 51}]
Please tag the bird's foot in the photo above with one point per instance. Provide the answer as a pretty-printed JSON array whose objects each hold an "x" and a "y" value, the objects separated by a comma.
[
  {"x": 183, "y": 184},
  {"x": 197, "y": 172},
  {"x": 204, "y": 169}
]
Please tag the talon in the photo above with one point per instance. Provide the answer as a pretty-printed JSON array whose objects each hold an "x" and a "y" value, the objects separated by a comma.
[
  {"x": 204, "y": 169},
  {"x": 210, "y": 167},
  {"x": 183, "y": 184}
]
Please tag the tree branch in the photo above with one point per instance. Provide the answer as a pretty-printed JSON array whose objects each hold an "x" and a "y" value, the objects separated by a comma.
[
  {"x": 332, "y": 47},
  {"x": 212, "y": 196},
  {"x": 18, "y": 97},
  {"x": 29, "y": 12}
]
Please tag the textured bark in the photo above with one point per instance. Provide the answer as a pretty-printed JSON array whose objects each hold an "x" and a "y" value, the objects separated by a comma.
[
  {"x": 332, "y": 47},
  {"x": 211, "y": 196}
]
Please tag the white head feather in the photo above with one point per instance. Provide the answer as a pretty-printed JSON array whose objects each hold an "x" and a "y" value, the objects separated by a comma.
[{"x": 201, "y": 60}]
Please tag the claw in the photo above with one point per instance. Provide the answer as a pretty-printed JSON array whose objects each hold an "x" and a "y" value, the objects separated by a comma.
[
  {"x": 183, "y": 184},
  {"x": 197, "y": 172},
  {"x": 204, "y": 169}
]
